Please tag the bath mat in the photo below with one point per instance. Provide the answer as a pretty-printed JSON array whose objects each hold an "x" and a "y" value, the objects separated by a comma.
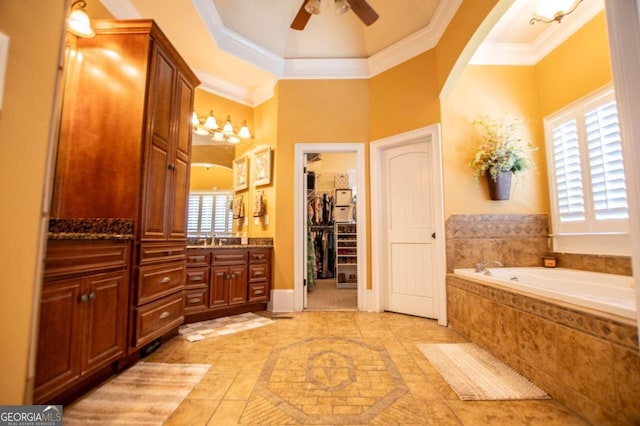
[
  {"x": 474, "y": 374},
  {"x": 222, "y": 326},
  {"x": 145, "y": 394}
]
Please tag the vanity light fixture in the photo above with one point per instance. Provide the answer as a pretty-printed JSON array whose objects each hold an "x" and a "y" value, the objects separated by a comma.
[
  {"x": 78, "y": 21},
  {"x": 553, "y": 10},
  {"x": 209, "y": 126}
]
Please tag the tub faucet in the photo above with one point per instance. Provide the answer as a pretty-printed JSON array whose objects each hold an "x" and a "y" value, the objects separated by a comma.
[{"x": 482, "y": 267}]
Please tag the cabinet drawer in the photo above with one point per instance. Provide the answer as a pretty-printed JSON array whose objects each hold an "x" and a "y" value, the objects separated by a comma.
[
  {"x": 196, "y": 300},
  {"x": 197, "y": 277},
  {"x": 259, "y": 255},
  {"x": 229, "y": 257},
  {"x": 155, "y": 319},
  {"x": 258, "y": 272},
  {"x": 159, "y": 281},
  {"x": 73, "y": 256},
  {"x": 197, "y": 257},
  {"x": 258, "y": 292},
  {"x": 161, "y": 252}
]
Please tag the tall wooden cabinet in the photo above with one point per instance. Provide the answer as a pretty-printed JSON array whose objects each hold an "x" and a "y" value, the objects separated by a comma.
[{"x": 124, "y": 152}]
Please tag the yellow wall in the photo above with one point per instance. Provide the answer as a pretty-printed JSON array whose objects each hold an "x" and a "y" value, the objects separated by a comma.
[
  {"x": 405, "y": 97},
  {"x": 311, "y": 111},
  {"x": 213, "y": 178},
  {"x": 575, "y": 68},
  {"x": 35, "y": 31},
  {"x": 492, "y": 90}
]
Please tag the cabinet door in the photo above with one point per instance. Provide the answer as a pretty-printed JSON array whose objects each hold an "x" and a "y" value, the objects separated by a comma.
[
  {"x": 219, "y": 288},
  {"x": 104, "y": 319},
  {"x": 237, "y": 284},
  {"x": 181, "y": 154},
  {"x": 59, "y": 337},
  {"x": 158, "y": 164}
]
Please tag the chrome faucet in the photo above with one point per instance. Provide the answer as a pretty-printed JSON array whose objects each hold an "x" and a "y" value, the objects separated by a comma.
[{"x": 482, "y": 267}]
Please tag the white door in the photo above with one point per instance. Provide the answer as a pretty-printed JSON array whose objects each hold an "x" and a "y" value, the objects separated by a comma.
[{"x": 409, "y": 228}]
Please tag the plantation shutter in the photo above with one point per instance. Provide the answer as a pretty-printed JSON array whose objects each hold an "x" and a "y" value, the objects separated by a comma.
[
  {"x": 193, "y": 214},
  {"x": 209, "y": 213},
  {"x": 605, "y": 162},
  {"x": 206, "y": 213},
  {"x": 568, "y": 172},
  {"x": 223, "y": 215}
]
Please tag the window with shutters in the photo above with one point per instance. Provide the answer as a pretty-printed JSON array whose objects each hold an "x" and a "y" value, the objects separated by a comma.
[
  {"x": 586, "y": 171},
  {"x": 209, "y": 213}
]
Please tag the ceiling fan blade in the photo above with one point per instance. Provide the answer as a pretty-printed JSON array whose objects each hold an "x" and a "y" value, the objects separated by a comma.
[
  {"x": 301, "y": 19},
  {"x": 364, "y": 11}
]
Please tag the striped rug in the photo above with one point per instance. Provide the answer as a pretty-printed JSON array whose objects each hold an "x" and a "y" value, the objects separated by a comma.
[
  {"x": 145, "y": 394},
  {"x": 474, "y": 374}
]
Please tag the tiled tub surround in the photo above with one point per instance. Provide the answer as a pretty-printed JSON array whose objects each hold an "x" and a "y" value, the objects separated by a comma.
[
  {"x": 516, "y": 240},
  {"x": 588, "y": 361}
]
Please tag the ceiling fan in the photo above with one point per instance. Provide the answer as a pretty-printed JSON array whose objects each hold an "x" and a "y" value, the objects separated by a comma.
[{"x": 360, "y": 7}]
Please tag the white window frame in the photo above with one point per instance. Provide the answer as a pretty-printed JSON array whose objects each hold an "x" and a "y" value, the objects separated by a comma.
[
  {"x": 228, "y": 220},
  {"x": 590, "y": 236}
]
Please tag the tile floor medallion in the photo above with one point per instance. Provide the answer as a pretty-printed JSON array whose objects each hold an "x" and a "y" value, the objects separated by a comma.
[{"x": 326, "y": 380}]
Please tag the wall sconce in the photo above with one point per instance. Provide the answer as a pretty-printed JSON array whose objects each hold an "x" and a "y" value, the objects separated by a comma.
[
  {"x": 553, "y": 10},
  {"x": 78, "y": 21},
  {"x": 209, "y": 126}
]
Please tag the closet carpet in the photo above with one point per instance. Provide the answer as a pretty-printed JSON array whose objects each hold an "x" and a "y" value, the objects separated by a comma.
[{"x": 325, "y": 296}]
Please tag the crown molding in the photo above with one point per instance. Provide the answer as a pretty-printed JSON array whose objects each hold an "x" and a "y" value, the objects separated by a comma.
[
  {"x": 425, "y": 39},
  {"x": 121, "y": 9},
  {"x": 306, "y": 69},
  {"x": 531, "y": 54}
]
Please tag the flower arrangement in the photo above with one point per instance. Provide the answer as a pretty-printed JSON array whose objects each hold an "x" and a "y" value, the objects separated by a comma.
[{"x": 502, "y": 149}]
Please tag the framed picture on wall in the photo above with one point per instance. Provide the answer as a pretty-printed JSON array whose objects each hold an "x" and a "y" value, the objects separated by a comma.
[
  {"x": 262, "y": 165},
  {"x": 241, "y": 173}
]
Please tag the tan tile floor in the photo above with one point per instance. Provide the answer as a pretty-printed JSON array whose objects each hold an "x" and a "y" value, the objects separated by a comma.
[{"x": 336, "y": 368}]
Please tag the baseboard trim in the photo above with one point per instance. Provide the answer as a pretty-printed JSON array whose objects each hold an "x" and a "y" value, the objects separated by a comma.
[{"x": 281, "y": 301}]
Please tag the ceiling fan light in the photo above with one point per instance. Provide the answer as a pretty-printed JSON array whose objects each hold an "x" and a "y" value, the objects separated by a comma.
[
  {"x": 313, "y": 7},
  {"x": 211, "y": 123},
  {"x": 342, "y": 7},
  {"x": 244, "y": 132}
]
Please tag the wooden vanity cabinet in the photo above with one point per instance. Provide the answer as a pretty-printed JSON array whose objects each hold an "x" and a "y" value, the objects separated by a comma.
[
  {"x": 226, "y": 281},
  {"x": 83, "y": 313},
  {"x": 228, "y": 278}
]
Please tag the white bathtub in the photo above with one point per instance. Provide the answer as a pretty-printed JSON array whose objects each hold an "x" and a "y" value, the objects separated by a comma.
[{"x": 613, "y": 294}]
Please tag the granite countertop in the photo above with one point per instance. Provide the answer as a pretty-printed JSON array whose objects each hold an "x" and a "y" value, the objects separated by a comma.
[
  {"x": 230, "y": 246},
  {"x": 91, "y": 229}
]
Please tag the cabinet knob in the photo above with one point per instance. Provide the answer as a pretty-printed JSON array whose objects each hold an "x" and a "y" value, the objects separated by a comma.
[
  {"x": 92, "y": 295},
  {"x": 172, "y": 167},
  {"x": 258, "y": 273},
  {"x": 164, "y": 315},
  {"x": 84, "y": 297},
  {"x": 165, "y": 280}
]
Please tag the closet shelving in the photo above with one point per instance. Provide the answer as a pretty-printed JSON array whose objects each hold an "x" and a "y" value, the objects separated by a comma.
[{"x": 346, "y": 255}]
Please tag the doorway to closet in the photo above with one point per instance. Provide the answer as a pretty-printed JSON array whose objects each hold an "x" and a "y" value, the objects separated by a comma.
[
  {"x": 331, "y": 232},
  {"x": 330, "y": 272}
]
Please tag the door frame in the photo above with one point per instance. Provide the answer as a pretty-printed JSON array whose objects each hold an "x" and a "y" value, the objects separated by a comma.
[
  {"x": 429, "y": 134},
  {"x": 299, "y": 216}
]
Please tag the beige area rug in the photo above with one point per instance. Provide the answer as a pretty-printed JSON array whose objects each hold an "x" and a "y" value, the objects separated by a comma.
[
  {"x": 222, "y": 326},
  {"x": 145, "y": 394},
  {"x": 474, "y": 374}
]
